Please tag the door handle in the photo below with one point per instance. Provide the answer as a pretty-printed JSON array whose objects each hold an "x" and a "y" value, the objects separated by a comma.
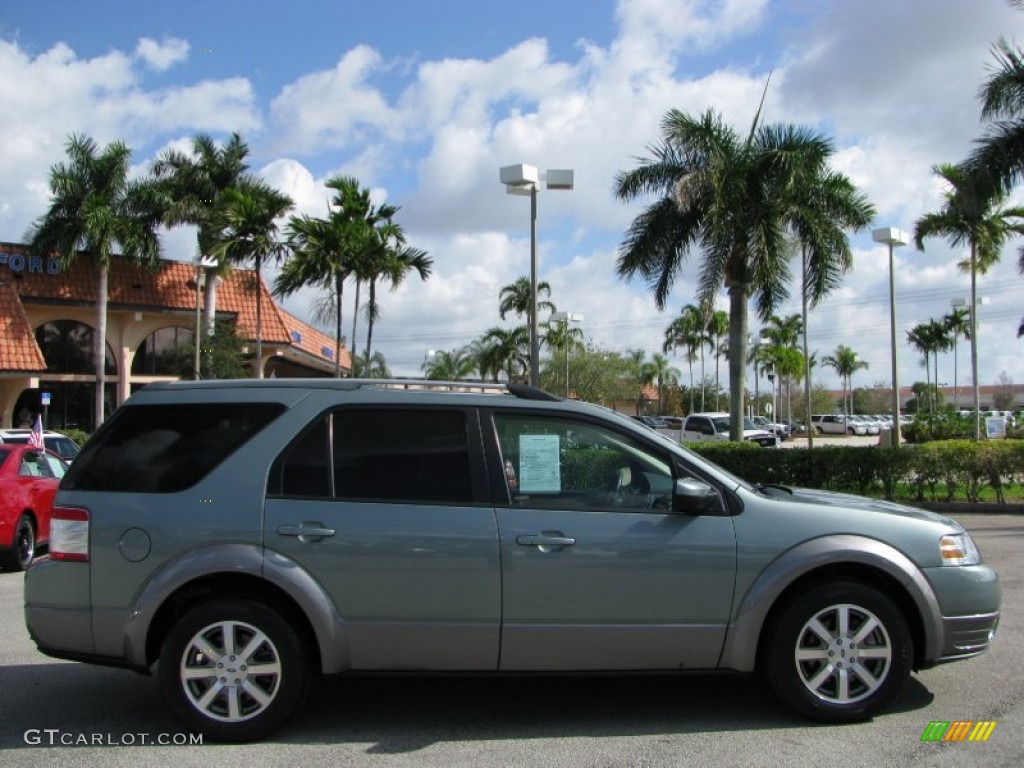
[
  {"x": 545, "y": 542},
  {"x": 306, "y": 531}
]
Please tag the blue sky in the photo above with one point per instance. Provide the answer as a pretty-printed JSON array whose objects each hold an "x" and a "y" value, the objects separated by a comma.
[{"x": 423, "y": 101}]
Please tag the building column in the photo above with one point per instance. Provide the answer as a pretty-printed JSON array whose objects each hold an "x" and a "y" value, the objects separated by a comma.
[{"x": 124, "y": 384}]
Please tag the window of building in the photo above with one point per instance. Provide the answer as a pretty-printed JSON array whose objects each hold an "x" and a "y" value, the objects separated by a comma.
[
  {"x": 67, "y": 346},
  {"x": 160, "y": 353}
]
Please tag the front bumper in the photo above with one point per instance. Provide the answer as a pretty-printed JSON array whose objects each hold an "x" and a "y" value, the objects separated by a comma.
[
  {"x": 969, "y": 599},
  {"x": 967, "y": 636}
]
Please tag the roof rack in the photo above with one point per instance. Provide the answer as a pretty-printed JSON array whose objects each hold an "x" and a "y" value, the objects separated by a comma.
[{"x": 522, "y": 391}]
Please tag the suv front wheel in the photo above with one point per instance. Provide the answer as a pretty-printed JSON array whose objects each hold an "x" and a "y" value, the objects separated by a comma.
[
  {"x": 233, "y": 670},
  {"x": 839, "y": 653}
]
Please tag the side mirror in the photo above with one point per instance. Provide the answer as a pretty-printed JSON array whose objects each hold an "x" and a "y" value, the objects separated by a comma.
[{"x": 694, "y": 497}]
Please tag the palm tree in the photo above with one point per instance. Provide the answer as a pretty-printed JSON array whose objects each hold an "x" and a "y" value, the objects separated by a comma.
[
  {"x": 929, "y": 339},
  {"x": 734, "y": 198},
  {"x": 827, "y": 204},
  {"x": 392, "y": 260},
  {"x": 516, "y": 298},
  {"x": 94, "y": 208},
  {"x": 320, "y": 249},
  {"x": 972, "y": 214},
  {"x": 246, "y": 230},
  {"x": 369, "y": 366},
  {"x": 508, "y": 350},
  {"x": 659, "y": 372},
  {"x": 958, "y": 323},
  {"x": 718, "y": 327},
  {"x": 845, "y": 362},
  {"x": 450, "y": 366},
  {"x": 784, "y": 333},
  {"x": 687, "y": 332},
  {"x": 561, "y": 337},
  {"x": 195, "y": 184}
]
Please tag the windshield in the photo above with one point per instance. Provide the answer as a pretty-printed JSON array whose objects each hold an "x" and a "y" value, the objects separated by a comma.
[{"x": 721, "y": 424}]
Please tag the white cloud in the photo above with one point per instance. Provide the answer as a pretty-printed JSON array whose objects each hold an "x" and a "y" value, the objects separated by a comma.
[{"x": 162, "y": 55}]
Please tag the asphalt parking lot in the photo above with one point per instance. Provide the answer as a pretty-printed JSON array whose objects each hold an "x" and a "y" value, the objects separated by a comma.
[{"x": 627, "y": 721}]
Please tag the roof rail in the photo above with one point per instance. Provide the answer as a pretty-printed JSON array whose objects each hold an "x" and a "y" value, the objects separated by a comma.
[{"x": 522, "y": 391}]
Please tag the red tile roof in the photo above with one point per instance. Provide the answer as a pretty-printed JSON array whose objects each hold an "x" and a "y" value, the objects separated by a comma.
[
  {"x": 169, "y": 285},
  {"x": 18, "y": 348}
]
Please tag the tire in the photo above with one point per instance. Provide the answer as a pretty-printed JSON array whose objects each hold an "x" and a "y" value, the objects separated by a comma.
[
  {"x": 207, "y": 677},
  {"x": 23, "y": 546},
  {"x": 806, "y": 670}
]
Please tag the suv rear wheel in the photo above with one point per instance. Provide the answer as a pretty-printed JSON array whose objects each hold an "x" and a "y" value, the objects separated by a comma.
[
  {"x": 839, "y": 653},
  {"x": 233, "y": 670}
]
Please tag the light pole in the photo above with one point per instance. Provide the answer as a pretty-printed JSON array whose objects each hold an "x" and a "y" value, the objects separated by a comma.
[
  {"x": 893, "y": 238},
  {"x": 523, "y": 180},
  {"x": 565, "y": 318}
]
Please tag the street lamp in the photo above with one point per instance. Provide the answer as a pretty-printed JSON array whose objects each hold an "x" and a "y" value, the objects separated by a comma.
[
  {"x": 893, "y": 238},
  {"x": 523, "y": 180},
  {"x": 566, "y": 318}
]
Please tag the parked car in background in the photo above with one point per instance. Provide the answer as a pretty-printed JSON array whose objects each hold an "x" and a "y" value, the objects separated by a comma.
[
  {"x": 715, "y": 426},
  {"x": 244, "y": 537},
  {"x": 28, "y": 481},
  {"x": 60, "y": 444},
  {"x": 782, "y": 431},
  {"x": 836, "y": 424},
  {"x": 872, "y": 426}
]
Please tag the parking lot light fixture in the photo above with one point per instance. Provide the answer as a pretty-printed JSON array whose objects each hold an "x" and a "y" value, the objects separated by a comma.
[
  {"x": 894, "y": 238},
  {"x": 523, "y": 180}
]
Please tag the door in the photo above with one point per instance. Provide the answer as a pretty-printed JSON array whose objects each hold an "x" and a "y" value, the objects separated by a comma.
[
  {"x": 598, "y": 573},
  {"x": 382, "y": 508}
]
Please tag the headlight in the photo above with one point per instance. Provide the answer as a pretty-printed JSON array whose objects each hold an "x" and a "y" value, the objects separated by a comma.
[{"x": 958, "y": 549}]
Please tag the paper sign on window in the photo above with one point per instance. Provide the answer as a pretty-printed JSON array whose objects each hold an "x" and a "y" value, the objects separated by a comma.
[{"x": 539, "y": 468}]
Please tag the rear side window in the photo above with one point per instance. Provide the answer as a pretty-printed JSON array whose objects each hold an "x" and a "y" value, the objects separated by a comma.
[
  {"x": 393, "y": 455},
  {"x": 165, "y": 448}
]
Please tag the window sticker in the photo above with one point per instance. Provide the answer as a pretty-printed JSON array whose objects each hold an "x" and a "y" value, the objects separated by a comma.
[{"x": 539, "y": 467}]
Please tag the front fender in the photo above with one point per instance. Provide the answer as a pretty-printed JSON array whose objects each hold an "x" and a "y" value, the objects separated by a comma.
[
  {"x": 234, "y": 560},
  {"x": 740, "y": 651}
]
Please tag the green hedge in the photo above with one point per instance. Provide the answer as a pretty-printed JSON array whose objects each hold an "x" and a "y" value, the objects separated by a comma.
[
  {"x": 936, "y": 471},
  {"x": 78, "y": 435}
]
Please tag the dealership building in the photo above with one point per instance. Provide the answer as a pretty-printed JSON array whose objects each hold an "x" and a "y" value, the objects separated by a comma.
[{"x": 47, "y": 317}]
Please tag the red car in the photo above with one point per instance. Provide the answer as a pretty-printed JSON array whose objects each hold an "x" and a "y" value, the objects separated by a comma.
[{"x": 29, "y": 478}]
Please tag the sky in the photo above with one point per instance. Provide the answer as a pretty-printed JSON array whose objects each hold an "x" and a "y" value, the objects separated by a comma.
[{"x": 423, "y": 102}]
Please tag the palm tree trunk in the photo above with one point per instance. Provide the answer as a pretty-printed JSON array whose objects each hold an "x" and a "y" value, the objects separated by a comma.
[
  {"x": 703, "y": 377},
  {"x": 355, "y": 319},
  {"x": 974, "y": 344},
  {"x": 100, "y": 343},
  {"x": 339, "y": 285},
  {"x": 807, "y": 357},
  {"x": 956, "y": 399},
  {"x": 737, "y": 361},
  {"x": 372, "y": 304},
  {"x": 259, "y": 321}
]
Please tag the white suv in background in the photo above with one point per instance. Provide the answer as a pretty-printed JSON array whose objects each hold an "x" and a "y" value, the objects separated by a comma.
[
  {"x": 715, "y": 426},
  {"x": 836, "y": 424}
]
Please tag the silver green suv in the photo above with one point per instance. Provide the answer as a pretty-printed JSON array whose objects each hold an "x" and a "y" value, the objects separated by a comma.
[{"x": 245, "y": 536}]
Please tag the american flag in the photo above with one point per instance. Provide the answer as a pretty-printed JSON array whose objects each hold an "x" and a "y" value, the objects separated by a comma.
[{"x": 36, "y": 438}]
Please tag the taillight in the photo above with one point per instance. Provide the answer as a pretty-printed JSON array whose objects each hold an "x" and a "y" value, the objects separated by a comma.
[{"x": 69, "y": 534}]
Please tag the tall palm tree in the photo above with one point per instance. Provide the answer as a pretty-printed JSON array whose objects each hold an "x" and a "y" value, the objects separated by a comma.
[
  {"x": 369, "y": 366},
  {"x": 246, "y": 230},
  {"x": 846, "y": 363},
  {"x": 828, "y": 204},
  {"x": 94, "y": 209},
  {"x": 391, "y": 260},
  {"x": 450, "y": 365},
  {"x": 929, "y": 339},
  {"x": 195, "y": 184},
  {"x": 732, "y": 197},
  {"x": 784, "y": 333},
  {"x": 957, "y": 323},
  {"x": 561, "y": 337},
  {"x": 972, "y": 214},
  {"x": 718, "y": 328},
  {"x": 687, "y": 332}
]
